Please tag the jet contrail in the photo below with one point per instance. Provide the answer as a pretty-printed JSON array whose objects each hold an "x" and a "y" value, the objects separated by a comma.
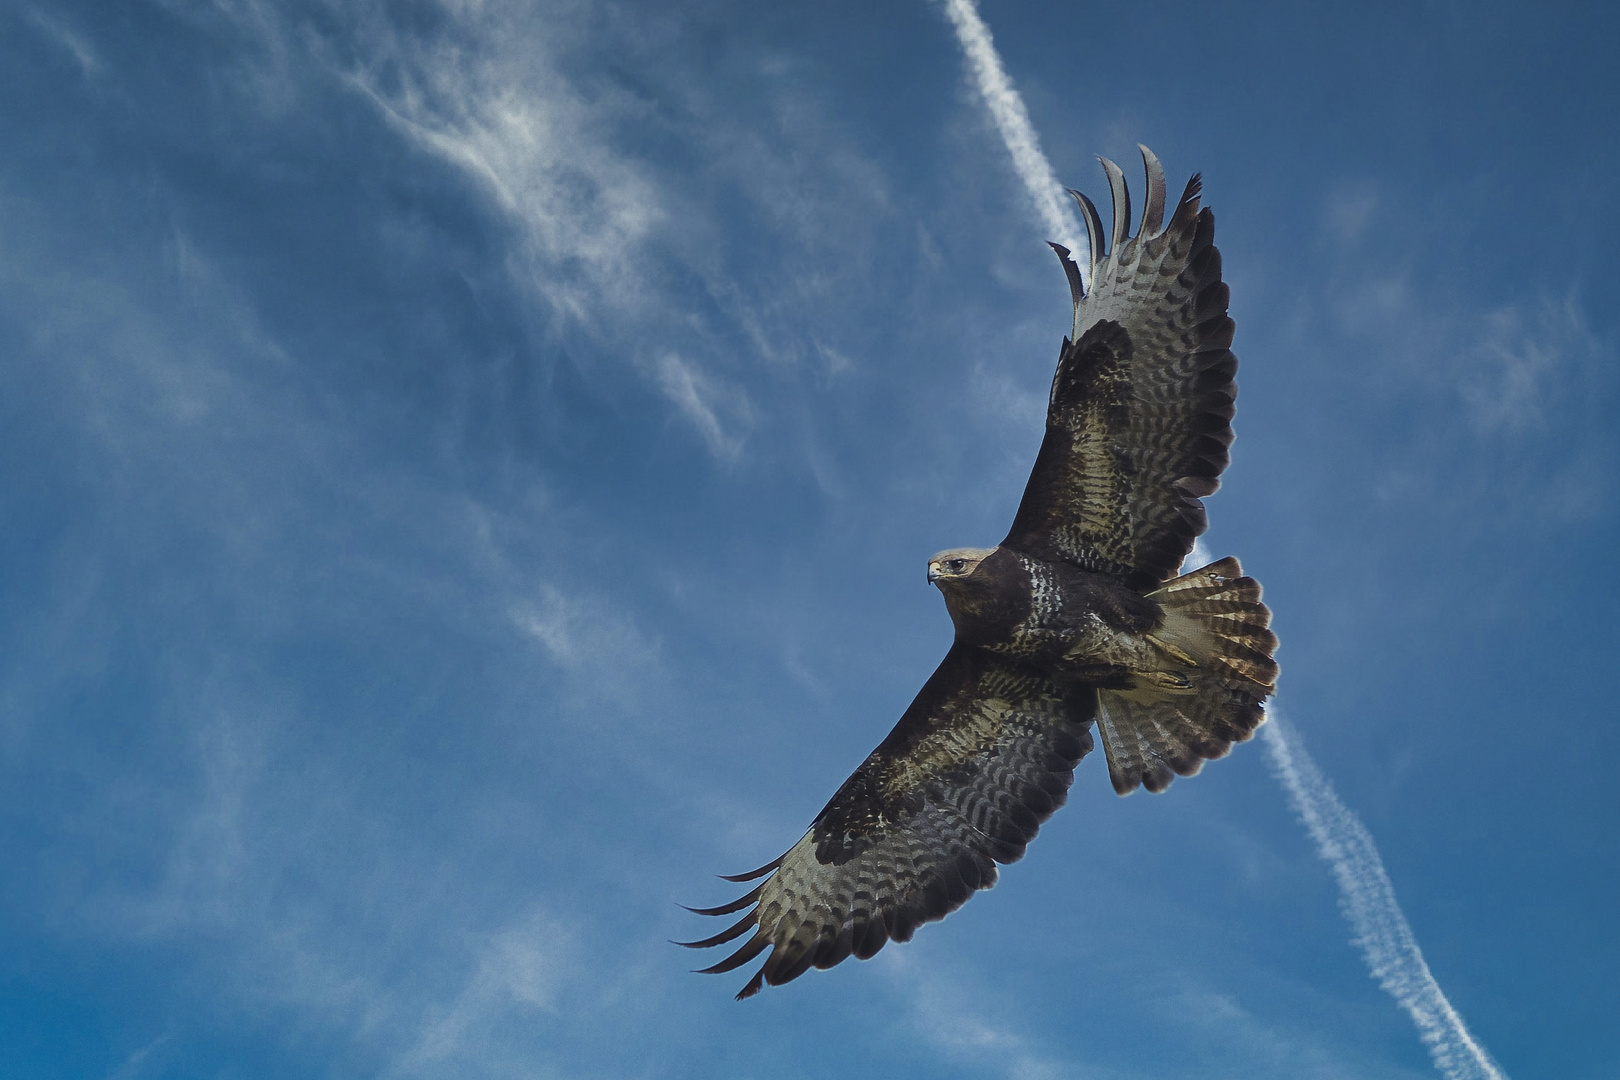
[
  {"x": 1012, "y": 121},
  {"x": 1368, "y": 901},
  {"x": 1366, "y": 895}
]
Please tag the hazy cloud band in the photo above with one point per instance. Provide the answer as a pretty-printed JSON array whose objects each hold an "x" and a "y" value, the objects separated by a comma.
[
  {"x": 1012, "y": 122},
  {"x": 1368, "y": 900}
]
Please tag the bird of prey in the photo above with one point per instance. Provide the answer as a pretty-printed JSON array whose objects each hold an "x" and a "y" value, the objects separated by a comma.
[{"x": 1076, "y": 618}]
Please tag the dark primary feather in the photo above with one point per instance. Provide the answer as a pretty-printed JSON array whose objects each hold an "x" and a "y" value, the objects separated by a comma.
[
  {"x": 982, "y": 757},
  {"x": 1140, "y": 415}
]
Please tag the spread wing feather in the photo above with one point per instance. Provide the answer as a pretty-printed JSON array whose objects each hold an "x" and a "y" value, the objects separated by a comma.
[
  {"x": 1140, "y": 417},
  {"x": 981, "y": 758}
]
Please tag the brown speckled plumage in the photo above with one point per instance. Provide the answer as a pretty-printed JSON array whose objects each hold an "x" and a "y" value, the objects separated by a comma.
[{"x": 1073, "y": 618}]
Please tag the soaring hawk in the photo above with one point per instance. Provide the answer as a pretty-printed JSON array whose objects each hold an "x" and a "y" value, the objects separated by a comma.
[{"x": 1075, "y": 618}]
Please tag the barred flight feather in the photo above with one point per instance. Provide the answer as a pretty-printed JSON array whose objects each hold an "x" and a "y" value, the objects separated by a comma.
[
  {"x": 984, "y": 755},
  {"x": 1139, "y": 422}
]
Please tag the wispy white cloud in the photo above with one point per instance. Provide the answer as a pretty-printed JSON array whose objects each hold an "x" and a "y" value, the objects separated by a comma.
[
  {"x": 486, "y": 98},
  {"x": 1242, "y": 1043},
  {"x": 1368, "y": 900},
  {"x": 622, "y": 254},
  {"x": 964, "y": 1024},
  {"x": 523, "y": 969},
  {"x": 1518, "y": 355},
  {"x": 702, "y": 399},
  {"x": 73, "y": 42},
  {"x": 1350, "y": 210},
  {"x": 1515, "y": 385},
  {"x": 949, "y": 1019},
  {"x": 1012, "y": 123},
  {"x": 207, "y": 863},
  {"x": 135, "y": 1064},
  {"x": 1508, "y": 365},
  {"x": 582, "y": 634}
]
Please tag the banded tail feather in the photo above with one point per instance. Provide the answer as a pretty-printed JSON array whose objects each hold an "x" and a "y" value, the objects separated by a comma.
[{"x": 1217, "y": 643}]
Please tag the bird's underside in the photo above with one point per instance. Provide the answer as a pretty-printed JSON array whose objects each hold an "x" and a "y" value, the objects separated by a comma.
[{"x": 1074, "y": 618}]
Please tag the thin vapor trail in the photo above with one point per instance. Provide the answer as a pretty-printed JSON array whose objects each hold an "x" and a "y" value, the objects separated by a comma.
[
  {"x": 1366, "y": 895},
  {"x": 1012, "y": 121},
  {"x": 1368, "y": 901}
]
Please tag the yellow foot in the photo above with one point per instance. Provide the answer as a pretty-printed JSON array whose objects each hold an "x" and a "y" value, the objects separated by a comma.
[
  {"x": 1163, "y": 680},
  {"x": 1174, "y": 651}
]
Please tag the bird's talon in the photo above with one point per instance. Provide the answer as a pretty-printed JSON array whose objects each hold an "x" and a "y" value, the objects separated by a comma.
[{"x": 1175, "y": 651}]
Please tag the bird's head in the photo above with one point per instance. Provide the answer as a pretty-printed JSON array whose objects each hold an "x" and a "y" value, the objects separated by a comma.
[{"x": 950, "y": 568}]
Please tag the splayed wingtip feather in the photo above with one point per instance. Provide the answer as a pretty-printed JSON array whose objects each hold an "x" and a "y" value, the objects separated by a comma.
[
  {"x": 1094, "y": 233},
  {"x": 1121, "y": 193},
  {"x": 752, "y": 874},
  {"x": 1153, "y": 203},
  {"x": 731, "y": 932},
  {"x": 726, "y": 909},
  {"x": 750, "y": 949}
]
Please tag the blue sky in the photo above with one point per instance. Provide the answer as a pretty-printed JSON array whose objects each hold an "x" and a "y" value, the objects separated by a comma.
[{"x": 468, "y": 469}]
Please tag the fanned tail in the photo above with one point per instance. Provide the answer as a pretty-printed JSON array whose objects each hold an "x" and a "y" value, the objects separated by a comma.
[{"x": 1216, "y": 646}]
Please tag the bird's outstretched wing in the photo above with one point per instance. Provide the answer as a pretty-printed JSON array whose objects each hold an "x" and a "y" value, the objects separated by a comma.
[
  {"x": 1140, "y": 417},
  {"x": 982, "y": 757}
]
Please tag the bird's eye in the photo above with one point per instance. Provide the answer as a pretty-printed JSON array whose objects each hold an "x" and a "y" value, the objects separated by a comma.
[{"x": 955, "y": 565}]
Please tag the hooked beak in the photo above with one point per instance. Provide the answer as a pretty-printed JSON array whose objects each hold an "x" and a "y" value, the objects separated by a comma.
[{"x": 933, "y": 573}]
